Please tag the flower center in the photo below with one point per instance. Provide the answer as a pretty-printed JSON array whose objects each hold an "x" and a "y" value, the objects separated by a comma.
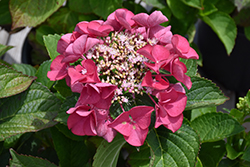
[{"x": 118, "y": 62}]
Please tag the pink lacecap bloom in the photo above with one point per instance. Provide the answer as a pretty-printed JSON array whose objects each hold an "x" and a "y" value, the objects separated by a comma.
[{"x": 117, "y": 60}]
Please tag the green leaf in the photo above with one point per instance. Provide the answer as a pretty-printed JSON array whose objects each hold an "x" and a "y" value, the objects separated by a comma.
[
  {"x": 201, "y": 111},
  {"x": 247, "y": 32},
  {"x": 139, "y": 157},
  {"x": 237, "y": 114},
  {"x": 80, "y": 6},
  {"x": 43, "y": 30},
  {"x": 70, "y": 152},
  {"x": 208, "y": 8},
  {"x": 109, "y": 6},
  {"x": 156, "y": 3},
  {"x": 32, "y": 12},
  {"x": 5, "y": 17},
  {"x": 191, "y": 65},
  {"x": 12, "y": 82},
  {"x": 198, "y": 163},
  {"x": 11, "y": 141},
  {"x": 246, "y": 155},
  {"x": 225, "y": 6},
  {"x": 65, "y": 130},
  {"x": 63, "y": 88},
  {"x": 203, "y": 93},
  {"x": 50, "y": 42},
  {"x": 211, "y": 153},
  {"x": 25, "y": 69},
  {"x": 193, "y": 3},
  {"x": 64, "y": 20},
  {"x": 232, "y": 153},
  {"x": 179, "y": 9},
  {"x": 42, "y": 74},
  {"x": 224, "y": 26},
  {"x": 62, "y": 116},
  {"x": 3, "y": 48},
  {"x": 29, "y": 111},
  {"x": 177, "y": 149},
  {"x": 107, "y": 153},
  {"x": 28, "y": 161},
  {"x": 215, "y": 126}
]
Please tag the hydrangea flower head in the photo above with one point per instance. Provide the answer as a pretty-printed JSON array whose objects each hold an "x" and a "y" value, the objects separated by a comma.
[{"x": 115, "y": 63}]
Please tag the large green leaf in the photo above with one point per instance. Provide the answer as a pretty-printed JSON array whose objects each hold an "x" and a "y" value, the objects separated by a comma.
[
  {"x": 179, "y": 9},
  {"x": 64, "y": 20},
  {"x": 25, "y": 69},
  {"x": 80, "y": 6},
  {"x": 203, "y": 93},
  {"x": 215, "y": 126},
  {"x": 28, "y": 111},
  {"x": 201, "y": 111},
  {"x": 177, "y": 149},
  {"x": 104, "y": 8},
  {"x": 32, "y": 12},
  {"x": 70, "y": 152},
  {"x": 50, "y": 42},
  {"x": 42, "y": 74},
  {"x": 107, "y": 153},
  {"x": 139, "y": 156},
  {"x": 28, "y": 161},
  {"x": 12, "y": 82},
  {"x": 4, "y": 48},
  {"x": 5, "y": 17},
  {"x": 224, "y": 26},
  {"x": 211, "y": 153}
]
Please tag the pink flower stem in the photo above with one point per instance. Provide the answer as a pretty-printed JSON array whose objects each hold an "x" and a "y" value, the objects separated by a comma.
[
  {"x": 152, "y": 99},
  {"x": 122, "y": 108}
]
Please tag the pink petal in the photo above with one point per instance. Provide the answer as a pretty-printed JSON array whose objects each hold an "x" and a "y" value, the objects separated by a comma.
[
  {"x": 146, "y": 51},
  {"x": 63, "y": 43},
  {"x": 82, "y": 125},
  {"x": 175, "y": 123},
  {"x": 180, "y": 43},
  {"x": 142, "y": 115},
  {"x": 90, "y": 43},
  {"x": 58, "y": 69},
  {"x": 156, "y": 18},
  {"x": 82, "y": 27},
  {"x": 190, "y": 55},
  {"x": 137, "y": 136},
  {"x": 160, "y": 53},
  {"x": 141, "y": 19},
  {"x": 79, "y": 45},
  {"x": 122, "y": 124}
]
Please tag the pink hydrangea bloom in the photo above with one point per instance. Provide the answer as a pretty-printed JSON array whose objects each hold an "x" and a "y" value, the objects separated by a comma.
[
  {"x": 133, "y": 124},
  {"x": 114, "y": 62}
]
